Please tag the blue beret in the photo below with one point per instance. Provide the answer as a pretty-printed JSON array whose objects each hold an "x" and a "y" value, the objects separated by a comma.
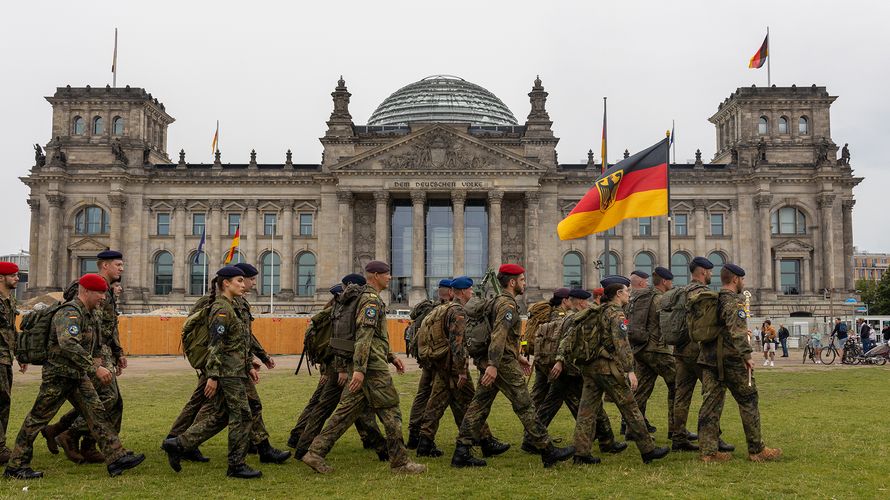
[
  {"x": 249, "y": 271},
  {"x": 579, "y": 293},
  {"x": 377, "y": 266},
  {"x": 446, "y": 283},
  {"x": 229, "y": 272},
  {"x": 611, "y": 280},
  {"x": 641, "y": 274},
  {"x": 336, "y": 289},
  {"x": 701, "y": 262},
  {"x": 664, "y": 273},
  {"x": 461, "y": 283},
  {"x": 109, "y": 255},
  {"x": 354, "y": 279},
  {"x": 561, "y": 293},
  {"x": 734, "y": 269}
]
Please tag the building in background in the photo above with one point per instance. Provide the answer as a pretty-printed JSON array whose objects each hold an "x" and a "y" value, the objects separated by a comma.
[
  {"x": 869, "y": 266},
  {"x": 23, "y": 260}
]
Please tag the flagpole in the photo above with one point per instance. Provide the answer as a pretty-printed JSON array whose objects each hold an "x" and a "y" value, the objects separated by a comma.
[
  {"x": 272, "y": 273},
  {"x": 669, "y": 217},
  {"x": 673, "y": 141},
  {"x": 607, "y": 254},
  {"x": 114, "y": 62},
  {"x": 769, "y": 57},
  {"x": 204, "y": 290}
]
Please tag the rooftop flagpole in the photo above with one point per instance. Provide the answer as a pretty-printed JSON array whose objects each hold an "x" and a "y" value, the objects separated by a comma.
[
  {"x": 607, "y": 254},
  {"x": 114, "y": 62},
  {"x": 769, "y": 57}
]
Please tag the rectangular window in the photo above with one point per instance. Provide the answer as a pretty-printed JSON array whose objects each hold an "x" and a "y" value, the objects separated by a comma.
[
  {"x": 164, "y": 224},
  {"x": 234, "y": 222},
  {"x": 88, "y": 265},
  {"x": 475, "y": 239},
  {"x": 198, "y": 222},
  {"x": 401, "y": 249},
  {"x": 305, "y": 224},
  {"x": 790, "y": 276},
  {"x": 270, "y": 224},
  {"x": 681, "y": 225},
  {"x": 645, "y": 226},
  {"x": 716, "y": 224}
]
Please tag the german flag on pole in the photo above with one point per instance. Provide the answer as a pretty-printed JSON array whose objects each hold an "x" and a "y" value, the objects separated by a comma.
[
  {"x": 635, "y": 187},
  {"x": 236, "y": 240},
  {"x": 759, "y": 58}
]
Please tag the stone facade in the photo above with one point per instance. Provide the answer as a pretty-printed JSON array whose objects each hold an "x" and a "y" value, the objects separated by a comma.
[{"x": 774, "y": 200}]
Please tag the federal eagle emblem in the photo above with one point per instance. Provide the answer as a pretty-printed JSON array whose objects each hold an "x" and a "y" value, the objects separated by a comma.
[{"x": 608, "y": 189}]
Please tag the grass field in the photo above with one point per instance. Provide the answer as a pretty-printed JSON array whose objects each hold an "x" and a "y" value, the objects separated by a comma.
[{"x": 830, "y": 421}]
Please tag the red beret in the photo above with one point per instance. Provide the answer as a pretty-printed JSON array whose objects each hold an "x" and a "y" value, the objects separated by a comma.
[
  {"x": 511, "y": 269},
  {"x": 8, "y": 268},
  {"x": 93, "y": 282},
  {"x": 598, "y": 292}
]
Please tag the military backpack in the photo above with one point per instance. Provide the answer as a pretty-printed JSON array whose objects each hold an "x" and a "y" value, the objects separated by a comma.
[
  {"x": 538, "y": 314},
  {"x": 702, "y": 318},
  {"x": 342, "y": 342},
  {"x": 418, "y": 313},
  {"x": 638, "y": 316},
  {"x": 317, "y": 338},
  {"x": 196, "y": 336},
  {"x": 432, "y": 339},
  {"x": 32, "y": 342},
  {"x": 546, "y": 342},
  {"x": 589, "y": 334},
  {"x": 477, "y": 335},
  {"x": 672, "y": 316}
]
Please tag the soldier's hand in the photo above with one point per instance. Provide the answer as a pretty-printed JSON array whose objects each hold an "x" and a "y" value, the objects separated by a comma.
[
  {"x": 255, "y": 365},
  {"x": 118, "y": 370},
  {"x": 23, "y": 367},
  {"x": 104, "y": 375},
  {"x": 490, "y": 375},
  {"x": 633, "y": 380},
  {"x": 461, "y": 380},
  {"x": 323, "y": 379},
  {"x": 122, "y": 362},
  {"x": 556, "y": 371},
  {"x": 270, "y": 363},
  {"x": 254, "y": 376},
  {"x": 342, "y": 377},
  {"x": 750, "y": 364},
  {"x": 400, "y": 367},
  {"x": 526, "y": 366},
  {"x": 210, "y": 388},
  {"x": 358, "y": 378}
]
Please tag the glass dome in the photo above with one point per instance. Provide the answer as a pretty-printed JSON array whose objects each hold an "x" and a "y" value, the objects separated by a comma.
[{"x": 442, "y": 99}]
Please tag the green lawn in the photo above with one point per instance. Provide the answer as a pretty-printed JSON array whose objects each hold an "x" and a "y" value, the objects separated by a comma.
[{"x": 830, "y": 422}]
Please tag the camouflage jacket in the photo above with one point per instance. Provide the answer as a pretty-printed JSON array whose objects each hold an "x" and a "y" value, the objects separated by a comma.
[
  {"x": 109, "y": 339},
  {"x": 256, "y": 348},
  {"x": 656, "y": 340},
  {"x": 7, "y": 329},
  {"x": 73, "y": 343},
  {"x": 566, "y": 340},
  {"x": 733, "y": 331},
  {"x": 689, "y": 349},
  {"x": 505, "y": 330},
  {"x": 616, "y": 347},
  {"x": 372, "y": 352},
  {"x": 229, "y": 349},
  {"x": 455, "y": 326}
]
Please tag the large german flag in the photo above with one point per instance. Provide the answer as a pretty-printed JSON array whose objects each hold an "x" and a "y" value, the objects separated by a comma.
[
  {"x": 635, "y": 187},
  {"x": 759, "y": 58}
]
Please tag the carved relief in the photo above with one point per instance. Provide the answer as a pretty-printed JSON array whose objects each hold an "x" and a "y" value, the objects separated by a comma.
[
  {"x": 438, "y": 150},
  {"x": 363, "y": 226},
  {"x": 513, "y": 230}
]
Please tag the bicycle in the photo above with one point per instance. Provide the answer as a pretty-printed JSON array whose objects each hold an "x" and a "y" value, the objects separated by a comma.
[
  {"x": 810, "y": 351},
  {"x": 828, "y": 354},
  {"x": 852, "y": 352}
]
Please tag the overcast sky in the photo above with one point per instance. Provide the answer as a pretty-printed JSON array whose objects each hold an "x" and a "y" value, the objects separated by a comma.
[{"x": 265, "y": 70}]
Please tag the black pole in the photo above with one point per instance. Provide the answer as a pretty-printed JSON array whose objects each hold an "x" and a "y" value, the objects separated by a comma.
[{"x": 669, "y": 218}]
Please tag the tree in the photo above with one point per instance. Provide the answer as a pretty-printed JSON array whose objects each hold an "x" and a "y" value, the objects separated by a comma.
[{"x": 876, "y": 294}]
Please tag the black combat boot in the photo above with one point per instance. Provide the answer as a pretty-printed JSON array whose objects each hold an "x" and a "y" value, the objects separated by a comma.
[
  {"x": 243, "y": 471},
  {"x": 270, "y": 455},
  {"x": 195, "y": 456},
  {"x": 292, "y": 441},
  {"x": 426, "y": 447},
  {"x": 684, "y": 446},
  {"x": 551, "y": 455},
  {"x": 655, "y": 454},
  {"x": 125, "y": 462},
  {"x": 491, "y": 447},
  {"x": 299, "y": 452},
  {"x": 649, "y": 427},
  {"x": 382, "y": 454},
  {"x": 174, "y": 453},
  {"x": 614, "y": 448},
  {"x": 463, "y": 458},
  {"x": 585, "y": 460},
  {"x": 22, "y": 473},
  {"x": 251, "y": 449},
  {"x": 724, "y": 446},
  {"x": 413, "y": 440},
  {"x": 50, "y": 432},
  {"x": 529, "y": 448}
]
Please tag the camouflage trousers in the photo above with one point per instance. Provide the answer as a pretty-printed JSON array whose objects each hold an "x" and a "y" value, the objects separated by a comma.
[
  {"x": 688, "y": 373},
  {"x": 446, "y": 393},
  {"x": 512, "y": 383},
  {"x": 54, "y": 391},
  {"x": 735, "y": 378},
  {"x": 418, "y": 407},
  {"x": 229, "y": 406},
  {"x": 650, "y": 366},
  {"x": 112, "y": 403},
  {"x": 199, "y": 407},
  {"x": 322, "y": 405},
  {"x": 567, "y": 390},
  {"x": 5, "y": 401},
  {"x": 591, "y": 404},
  {"x": 379, "y": 394},
  {"x": 541, "y": 385}
]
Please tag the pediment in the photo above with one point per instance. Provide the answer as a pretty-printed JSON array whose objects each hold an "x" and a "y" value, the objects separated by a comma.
[
  {"x": 793, "y": 246},
  {"x": 437, "y": 148},
  {"x": 681, "y": 206},
  {"x": 87, "y": 244}
]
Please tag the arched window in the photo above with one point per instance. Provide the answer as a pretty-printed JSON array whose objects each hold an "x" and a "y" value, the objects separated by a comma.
[
  {"x": 79, "y": 126},
  {"x": 571, "y": 270},
  {"x": 680, "y": 268},
  {"x": 306, "y": 274},
  {"x": 611, "y": 267},
  {"x": 644, "y": 261},
  {"x": 783, "y": 125},
  {"x": 788, "y": 220},
  {"x": 91, "y": 220},
  {"x": 163, "y": 273},
  {"x": 271, "y": 275},
  {"x": 803, "y": 125},
  {"x": 117, "y": 126},
  {"x": 718, "y": 259},
  {"x": 198, "y": 273},
  {"x": 98, "y": 125},
  {"x": 763, "y": 126}
]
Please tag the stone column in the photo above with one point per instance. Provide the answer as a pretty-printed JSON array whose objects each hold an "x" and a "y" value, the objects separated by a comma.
[
  {"x": 763, "y": 202},
  {"x": 825, "y": 202},
  {"x": 253, "y": 233},
  {"x": 663, "y": 259},
  {"x": 700, "y": 228},
  {"x": 381, "y": 226},
  {"x": 627, "y": 259},
  {"x": 286, "y": 230},
  {"x": 55, "y": 230},
  {"x": 531, "y": 239},
  {"x": 146, "y": 267},
  {"x": 777, "y": 269},
  {"x": 591, "y": 273},
  {"x": 33, "y": 245},
  {"x": 736, "y": 231},
  {"x": 214, "y": 236},
  {"x": 118, "y": 202},
  {"x": 494, "y": 228},
  {"x": 180, "y": 270},
  {"x": 418, "y": 240},
  {"x": 849, "y": 279},
  {"x": 806, "y": 281},
  {"x": 458, "y": 201},
  {"x": 344, "y": 204}
]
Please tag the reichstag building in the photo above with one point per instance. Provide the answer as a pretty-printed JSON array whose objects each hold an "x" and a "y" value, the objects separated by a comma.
[{"x": 441, "y": 180}]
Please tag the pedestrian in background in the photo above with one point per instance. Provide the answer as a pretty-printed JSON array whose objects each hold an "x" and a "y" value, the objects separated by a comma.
[
  {"x": 768, "y": 333},
  {"x": 783, "y": 339}
]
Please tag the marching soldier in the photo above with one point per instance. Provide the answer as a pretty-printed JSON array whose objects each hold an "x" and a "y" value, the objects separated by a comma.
[
  {"x": 9, "y": 278},
  {"x": 558, "y": 309}
]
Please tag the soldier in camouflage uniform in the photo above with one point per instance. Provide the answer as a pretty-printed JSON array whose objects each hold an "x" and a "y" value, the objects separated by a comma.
[
  {"x": 370, "y": 384},
  {"x": 9, "y": 278},
  {"x": 504, "y": 370},
  {"x": 452, "y": 383},
  {"x": 606, "y": 373},
  {"x": 229, "y": 370},
  {"x": 66, "y": 375},
  {"x": 559, "y": 308},
  {"x": 726, "y": 364}
]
